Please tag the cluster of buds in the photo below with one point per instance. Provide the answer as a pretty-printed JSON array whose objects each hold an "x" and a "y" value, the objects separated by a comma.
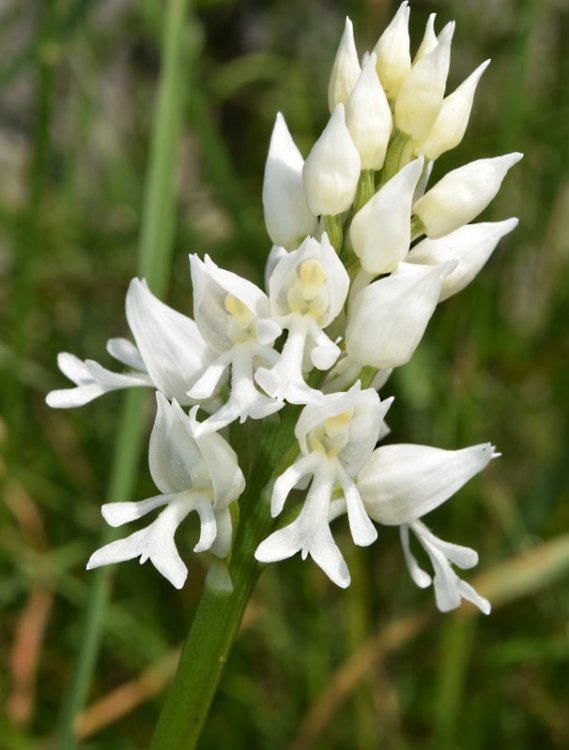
[{"x": 363, "y": 252}]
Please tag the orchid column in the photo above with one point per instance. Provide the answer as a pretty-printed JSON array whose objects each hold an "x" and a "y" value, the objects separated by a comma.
[{"x": 363, "y": 252}]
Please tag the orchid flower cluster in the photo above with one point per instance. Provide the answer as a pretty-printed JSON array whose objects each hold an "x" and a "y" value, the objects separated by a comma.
[{"x": 363, "y": 252}]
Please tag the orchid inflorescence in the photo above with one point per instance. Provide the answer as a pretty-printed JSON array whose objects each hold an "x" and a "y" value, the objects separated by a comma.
[{"x": 363, "y": 251}]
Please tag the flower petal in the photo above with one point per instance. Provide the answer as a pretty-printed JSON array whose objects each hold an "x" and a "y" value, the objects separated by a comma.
[
  {"x": 287, "y": 217},
  {"x": 126, "y": 352},
  {"x": 170, "y": 344},
  {"x": 368, "y": 117},
  {"x": 115, "y": 514},
  {"x": 381, "y": 232},
  {"x": 222, "y": 544},
  {"x": 393, "y": 55},
  {"x": 155, "y": 543},
  {"x": 402, "y": 483},
  {"x": 174, "y": 456},
  {"x": 92, "y": 381},
  {"x": 462, "y": 194},
  {"x": 345, "y": 70},
  {"x": 288, "y": 480},
  {"x": 420, "y": 577},
  {"x": 471, "y": 245},
  {"x": 421, "y": 96},
  {"x": 220, "y": 462},
  {"x": 388, "y": 318},
  {"x": 362, "y": 529},
  {"x": 332, "y": 169},
  {"x": 449, "y": 127}
]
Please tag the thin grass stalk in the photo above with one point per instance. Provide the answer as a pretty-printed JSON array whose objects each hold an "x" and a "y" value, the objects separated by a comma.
[
  {"x": 31, "y": 240},
  {"x": 154, "y": 261}
]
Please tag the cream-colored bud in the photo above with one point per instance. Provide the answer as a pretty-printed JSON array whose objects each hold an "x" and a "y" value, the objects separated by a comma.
[
  {"x": 430, "y": 40},
  {"x": 471, "y": 245},
  {"x": 450, "y": 126},
  {"x": 345, "y": 70},
  {"x": 380, "y": 232},
  {"x": 287, "y": 217},
  {"x": 393, "y": 55},
  {"x": 332, "y": 169},
  {"x": 368, "y": 117},
  {"x": 387, "y": 319},
  {"x": 462, "y": 194},
  {"x": 420, "y": 99}
]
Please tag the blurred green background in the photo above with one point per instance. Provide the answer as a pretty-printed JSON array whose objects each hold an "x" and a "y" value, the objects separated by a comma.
[{"x": 374, "y": 666}]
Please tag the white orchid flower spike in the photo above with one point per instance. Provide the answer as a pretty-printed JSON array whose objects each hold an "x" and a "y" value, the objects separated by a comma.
[
  {"x": 193, "y": 474},
  {"x": 336, "y": 439}
]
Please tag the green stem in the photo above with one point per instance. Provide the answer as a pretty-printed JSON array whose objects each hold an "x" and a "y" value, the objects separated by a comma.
[
  {"x": 417, "y": 228},
  {"x": 394, "y": 157},
  {"x": 154, "y": 264},
  {"x": 333, "y": 227},
  {"x": 209, "y": 642},
  {"x": 366, "y": 189},
  {"x": 367, "y": 375}
]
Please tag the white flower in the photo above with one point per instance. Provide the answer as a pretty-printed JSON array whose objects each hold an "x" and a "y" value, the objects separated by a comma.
[
  {"x": 393, "y": 56},
  {"x": 470, "y": 245},
  {"x": 387, "y": 319},
  {"x": 449, "y": 127},
  {"x": 402, "y": 483},
  {"x": 368, "y": 117},
  {"x": 345, "y": 70},
  {"x": 332, "y": 169},
  {"x": 287, "y": 217},
  {"x": 170, "y": 354},
  {"x": 192, "y": 473},
  {"x": 380, "y": 232},
  {"x": 234, "y": 317},
  {"x": 336, "y": 438},
  {"x": 462, "y": 194},
  {"x": 421, "y": 96},
  {"x": 307, "y": 290}
]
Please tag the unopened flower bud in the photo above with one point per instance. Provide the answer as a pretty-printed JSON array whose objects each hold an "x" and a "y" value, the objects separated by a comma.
[
  {"x": 470, "y": 245},
  {"x": 368, "y": 117},
  {"x": 380, "y": 232},
  {"x": 332, "y": 169},
  {"x": 287, "y": 217},
  {"x": 387, "y": 319},
  {"x": 449, "y": 127},
  {"x": 462, "y": 194},
  {"x": 430, "y": 40},
  {"x": 421, "y": 96},
  {"x": 346, "y": 69},
  {"x": 393, "y": 56}
]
